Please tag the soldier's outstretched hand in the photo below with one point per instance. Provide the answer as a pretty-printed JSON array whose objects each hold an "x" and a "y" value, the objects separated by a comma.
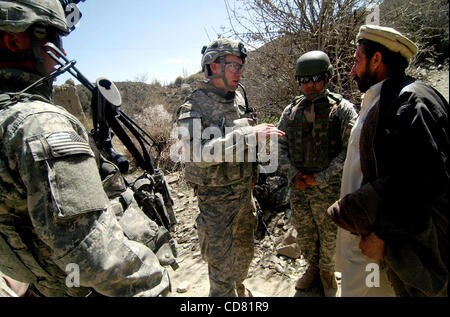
[{"x": 266, "y": 130}]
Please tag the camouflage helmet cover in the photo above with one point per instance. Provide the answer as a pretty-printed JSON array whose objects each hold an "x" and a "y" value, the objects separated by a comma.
[
  {"x": 222, "y": 47},
  {"x": 313, "y": 63},
  {"x": 17, "y": 16}
]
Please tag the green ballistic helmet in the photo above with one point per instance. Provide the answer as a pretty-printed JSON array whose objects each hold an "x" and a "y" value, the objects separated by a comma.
[
  {"x": 313, "y": 63},
  {"x": 222, "y": 47},
  {"x": 18, "y": 15}
]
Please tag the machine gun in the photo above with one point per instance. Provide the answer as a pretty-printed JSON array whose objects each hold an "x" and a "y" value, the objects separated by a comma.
[{"x": 150, "y": 190}]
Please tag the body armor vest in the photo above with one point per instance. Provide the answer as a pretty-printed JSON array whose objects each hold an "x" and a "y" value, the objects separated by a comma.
[
  {"x": 312, "y": 145},
  {"x": 17, "y": 236},
  {"x": 218, "y": 112}
]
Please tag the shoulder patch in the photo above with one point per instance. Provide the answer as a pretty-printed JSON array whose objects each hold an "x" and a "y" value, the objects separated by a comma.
[
  {"x": 58, "y": 145},
  {"x": 65, "y": 143}
]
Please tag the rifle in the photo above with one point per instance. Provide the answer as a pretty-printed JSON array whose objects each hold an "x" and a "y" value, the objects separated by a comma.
[
  {"x": 262, "y": 226},
  {"x": 151, "y": 190}
]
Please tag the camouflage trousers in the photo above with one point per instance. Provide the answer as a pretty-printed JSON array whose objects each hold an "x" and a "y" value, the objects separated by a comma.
[
  {"x": 226, "y": 226},
  {"x": 316, "y": 232}
]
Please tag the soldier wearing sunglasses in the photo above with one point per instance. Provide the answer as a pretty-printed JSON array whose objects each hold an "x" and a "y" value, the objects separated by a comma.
[
  {"x": 227, "y": 219},
  {"x": 312, "y": 155}
]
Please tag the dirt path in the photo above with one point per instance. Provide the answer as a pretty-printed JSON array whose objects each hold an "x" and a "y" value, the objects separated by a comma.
[{"x": 269, "y": 275}]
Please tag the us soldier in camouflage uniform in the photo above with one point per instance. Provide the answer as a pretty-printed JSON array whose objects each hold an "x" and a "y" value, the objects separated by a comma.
[
  {"x": 227, "y": 218},
  {"x": 54, "y": 203},
  {"x": 317, "y": 126}
]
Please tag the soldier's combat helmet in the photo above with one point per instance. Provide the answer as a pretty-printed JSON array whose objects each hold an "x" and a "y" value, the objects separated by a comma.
[
  {"x": 43, "y": 18},
  {"x": 17, "y": 16},
  {"x": 216, "y": 51},
  {"x": 313, "y": 63}
]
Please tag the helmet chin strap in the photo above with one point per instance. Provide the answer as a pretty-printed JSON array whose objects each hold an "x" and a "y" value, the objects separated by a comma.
[
  {"x": 222, "y": 75},
  {"x": 37, "y": 35}
]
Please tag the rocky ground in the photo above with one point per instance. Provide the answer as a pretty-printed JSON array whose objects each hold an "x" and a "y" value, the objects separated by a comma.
[
  {"x": 436, "y": 76},
  {"x": 275, "y": 268},
  {"x": 277, "y": 263}
]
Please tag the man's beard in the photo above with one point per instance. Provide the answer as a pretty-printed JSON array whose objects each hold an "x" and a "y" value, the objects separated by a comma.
[{"x": 366, "y": 81}]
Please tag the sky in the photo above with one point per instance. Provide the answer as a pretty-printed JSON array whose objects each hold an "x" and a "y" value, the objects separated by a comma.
[{"x": 152, "y": 39}]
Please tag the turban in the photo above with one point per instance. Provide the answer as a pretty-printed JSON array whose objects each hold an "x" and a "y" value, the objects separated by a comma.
[{"x": 390, "y": 38}]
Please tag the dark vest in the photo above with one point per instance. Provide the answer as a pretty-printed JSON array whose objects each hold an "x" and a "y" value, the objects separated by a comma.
[{"x": 312, "y": 145}]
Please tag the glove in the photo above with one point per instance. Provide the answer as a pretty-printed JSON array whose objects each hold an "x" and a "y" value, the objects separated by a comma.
[
  {"x": 299, "y": 182},
  {"x": 309, "y": 180}
]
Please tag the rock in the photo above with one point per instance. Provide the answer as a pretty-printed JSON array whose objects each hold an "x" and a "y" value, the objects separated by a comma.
[
  {"x": 291, "y": 251},
  {"x": 274, "y": 259},
  {"x": 184, "y": 287},
  {"x": 180, "y": 195},
  {"x": 289, "y": 246},
  {"x": 279, "y": 269},
  {"x": 290, "y": 237},
  {"x": 173, "y": 178},
  {"x": 180, "y": 210},
  {"x": 196, "y": 255},
  {"x": 183, "y": 240},
  {"x": 280, "y": 223}
]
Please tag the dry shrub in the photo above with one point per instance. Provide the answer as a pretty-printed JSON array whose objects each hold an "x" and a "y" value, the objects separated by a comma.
[
  {"x": 425, "y": 23},
  {"x": 283, "y": 30},
  {"x": 280, "y": 31}
]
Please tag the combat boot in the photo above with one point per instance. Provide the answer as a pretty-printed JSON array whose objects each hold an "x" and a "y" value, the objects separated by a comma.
[
  {"x": 308, "y": 277},
  {"x": 242, "y": 291},
  {"x": 329, "y": 283}
]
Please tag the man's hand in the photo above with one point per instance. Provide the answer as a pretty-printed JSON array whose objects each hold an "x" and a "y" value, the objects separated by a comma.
[
  {"x": 265, "y": 131},
  {"x": 373, "y": 247}
]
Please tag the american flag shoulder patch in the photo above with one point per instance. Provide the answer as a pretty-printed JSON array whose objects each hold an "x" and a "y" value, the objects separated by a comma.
[{"x": 66, "y": 143}]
